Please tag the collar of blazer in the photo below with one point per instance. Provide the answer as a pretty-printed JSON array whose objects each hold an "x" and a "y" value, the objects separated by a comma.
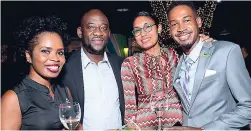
[
  {"x": 208, "y": 44},
  {"x": 207, "y": 51},
  {"x": 203, "y": 62}
]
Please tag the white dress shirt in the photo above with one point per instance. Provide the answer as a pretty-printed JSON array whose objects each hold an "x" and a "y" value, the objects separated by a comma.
[
  {"x": 194, "y": 55},
  {"x": 101, "y": 105}
]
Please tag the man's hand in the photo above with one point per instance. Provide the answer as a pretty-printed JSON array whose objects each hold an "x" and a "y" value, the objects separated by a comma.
[
  {"x": 181, "y": 128},
  {"x": 206, "y": 38}
]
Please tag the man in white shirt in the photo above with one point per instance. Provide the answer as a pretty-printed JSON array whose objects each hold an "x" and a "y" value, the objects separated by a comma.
[{"x": 93, "y": 75}]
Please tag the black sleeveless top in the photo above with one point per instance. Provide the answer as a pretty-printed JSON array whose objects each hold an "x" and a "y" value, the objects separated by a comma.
[{"x": 39, "y": 110}]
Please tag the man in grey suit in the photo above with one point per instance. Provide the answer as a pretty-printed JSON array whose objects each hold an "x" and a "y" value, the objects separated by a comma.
[{"x": 211, "y": 78}]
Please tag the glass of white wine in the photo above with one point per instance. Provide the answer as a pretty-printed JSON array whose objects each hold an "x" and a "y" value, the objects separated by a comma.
[
  {"x": 70, "y": 114},
  {"x": 159, "y": 106}
]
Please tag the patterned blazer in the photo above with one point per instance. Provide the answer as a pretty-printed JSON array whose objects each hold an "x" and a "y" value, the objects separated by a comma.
[{"x": 147, "y": 81}]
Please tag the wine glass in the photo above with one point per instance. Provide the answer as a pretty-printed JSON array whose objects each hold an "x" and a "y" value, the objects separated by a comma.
[
  {"x": 159, "y": 104},
  {"x": 70, "y": 114}
]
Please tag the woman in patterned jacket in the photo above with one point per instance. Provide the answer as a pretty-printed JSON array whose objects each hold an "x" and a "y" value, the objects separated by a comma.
[{"x": 147, "y": 78}]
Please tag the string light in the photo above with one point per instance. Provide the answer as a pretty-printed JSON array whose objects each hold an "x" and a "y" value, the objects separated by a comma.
[
  {"x": 160, "y": 11},
  {"x": 206, "y": 13}
]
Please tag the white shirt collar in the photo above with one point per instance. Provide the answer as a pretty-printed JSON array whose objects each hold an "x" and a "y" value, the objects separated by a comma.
[
  {"x": 195, "y": 53},
  {"x": 86, "y": 60}
]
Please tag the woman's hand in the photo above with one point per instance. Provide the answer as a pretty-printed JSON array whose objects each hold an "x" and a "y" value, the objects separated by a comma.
[
  {"x": 79, "y": 127},
  {"x": 206, "y": 38}
]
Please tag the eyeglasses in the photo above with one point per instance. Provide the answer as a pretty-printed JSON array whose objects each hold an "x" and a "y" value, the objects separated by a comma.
[{"x": 147, "y": 28}]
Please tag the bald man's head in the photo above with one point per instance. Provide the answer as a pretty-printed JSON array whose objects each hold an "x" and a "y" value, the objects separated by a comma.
[
  {"x": 94, "y": 31},
  {"x": 93, "y": 13}
]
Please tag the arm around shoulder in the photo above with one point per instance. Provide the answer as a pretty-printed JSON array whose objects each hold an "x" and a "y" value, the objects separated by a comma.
[{"x": 11, "y": 117}]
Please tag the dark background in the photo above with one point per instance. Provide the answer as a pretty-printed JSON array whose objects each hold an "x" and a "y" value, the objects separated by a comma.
[
  {"x": 14, "y": 12},
  {"x": 232, "y": 16}
]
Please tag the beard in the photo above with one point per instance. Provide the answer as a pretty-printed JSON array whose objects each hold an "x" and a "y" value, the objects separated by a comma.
[
  {"x": 88, "y": 47},
  {"x": 187, "y": 46}
]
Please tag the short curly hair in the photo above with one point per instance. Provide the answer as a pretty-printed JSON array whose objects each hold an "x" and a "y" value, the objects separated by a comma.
[
  {"x": 32, "y": 27},
  {"x": 190, "y": 4}
]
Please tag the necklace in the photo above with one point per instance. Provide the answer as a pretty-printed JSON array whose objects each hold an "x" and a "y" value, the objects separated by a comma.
[
  {"x": 154, "y": 61},
  {"x": 154, "y": 56}
]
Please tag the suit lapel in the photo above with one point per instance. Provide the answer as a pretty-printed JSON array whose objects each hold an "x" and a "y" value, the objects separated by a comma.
[
  {"x": 178, "y": 87},
  {"x": 78, "y": 76},
  {"x": 116, "y": 67},
  {"x": 204, "y": 58},
  {"x": 176, "y": 75}
]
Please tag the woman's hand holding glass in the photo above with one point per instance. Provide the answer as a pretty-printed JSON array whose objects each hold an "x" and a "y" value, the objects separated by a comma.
[{"x": 70, "y": 114}]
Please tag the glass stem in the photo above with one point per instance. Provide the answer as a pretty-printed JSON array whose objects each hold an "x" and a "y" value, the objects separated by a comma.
[
  {"x": 159, "y": 123},
  {"x": 70, "y": 127}
]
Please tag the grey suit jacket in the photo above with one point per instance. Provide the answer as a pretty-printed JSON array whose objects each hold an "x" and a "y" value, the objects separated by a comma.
[{"x": 221, "y": 101}]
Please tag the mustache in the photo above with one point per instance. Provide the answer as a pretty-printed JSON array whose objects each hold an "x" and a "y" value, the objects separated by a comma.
[
  {"x": 181, "y": 33},
  {"x": 97, "y": 38}
]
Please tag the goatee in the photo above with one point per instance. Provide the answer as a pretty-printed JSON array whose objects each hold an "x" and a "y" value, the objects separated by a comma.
[
  {"x": 93, "y": 51},
  {"x": 187, "y": 46}
]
